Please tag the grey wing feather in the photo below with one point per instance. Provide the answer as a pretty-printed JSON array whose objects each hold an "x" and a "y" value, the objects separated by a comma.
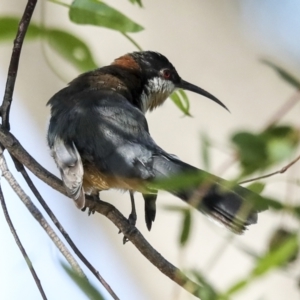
[{"x": 70, "y": 165}]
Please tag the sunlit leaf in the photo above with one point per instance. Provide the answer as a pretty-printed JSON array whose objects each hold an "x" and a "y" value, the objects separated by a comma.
[
  {"x": 239, "y": 285},
  {"x": 281, "y": 142},
  {"x": 185, "y": 99},
  {"x": 186, "y": 227},
  {"x": 283, "y": 74},
  {"x": 90, "y": 291},
  {"x": 9, "y": 27},
  {"x": 181, "y": 101},
  {"x": 98, "y": 13},
  {"x": 71, "y": 49},
  {"x": 279, "y": 149}
]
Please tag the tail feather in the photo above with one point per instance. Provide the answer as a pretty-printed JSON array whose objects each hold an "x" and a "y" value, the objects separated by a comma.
[
  {"x": 232, "y": 205},
  {"x": 150, "y": 209}
]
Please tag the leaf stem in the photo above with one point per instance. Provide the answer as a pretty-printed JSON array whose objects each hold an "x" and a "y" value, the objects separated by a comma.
[
  {"x": 60, "y": 3},
  {"x": 131, "y": 40}
]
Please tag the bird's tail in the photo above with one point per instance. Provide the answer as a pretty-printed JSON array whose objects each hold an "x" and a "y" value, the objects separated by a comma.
[{"x": 230, "y": 204}]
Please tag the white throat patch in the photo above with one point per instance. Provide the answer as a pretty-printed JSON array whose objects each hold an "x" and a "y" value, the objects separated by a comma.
[{"x": 156, "y": 91}]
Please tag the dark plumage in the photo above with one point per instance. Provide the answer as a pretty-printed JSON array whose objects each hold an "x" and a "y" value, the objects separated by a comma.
[{"x": 100, "y": 140}]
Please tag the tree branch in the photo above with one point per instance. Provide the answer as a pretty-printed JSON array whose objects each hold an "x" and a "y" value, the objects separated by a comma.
[
  {"x": 15, "y": 149},
  {"x": 18, "y": 242},
  {"x": 137, "y": 239},
  {"x": 38, "y": 215},
  {"x": 281, "y": 171},
  {"x": 14, "y": 62},
  {"x": 37, "y": 194},
  {"x": 131, "y": 232}
]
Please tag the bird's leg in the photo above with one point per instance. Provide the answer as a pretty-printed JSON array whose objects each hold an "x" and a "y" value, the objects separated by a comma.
[{"x": 132, "y": 217}]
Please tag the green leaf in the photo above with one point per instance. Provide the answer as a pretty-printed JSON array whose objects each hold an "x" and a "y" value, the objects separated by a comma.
[
  {"x": 97, "y": 13},
  {"x": 181, "y": 101},
  {"x": 279, "y": 149},
  {"x": 90, "y": 291},
  {"x": 186, "y": 227},
  {"x": 277, "y": 256},
  {"x": 205, "y": 143},
  {"x": 138, "y": 2},
  {"x": 256, "y": 187},
  {"x": 283, "y": 74},
  {"x": 257, "y": 151},
  {"x": 207, "y": 291},
  {"x": 238, "y": 286},
  {"x": 9, "y": 27},
  {"x": 281, "y": 142},
  {"x": 71, "y": 48},
  {"x": 186, "y": 180},
  {"x": 279, "y": 237},
  {"x": 252, "y": 151},
  {"x": 276, "y": 205}
]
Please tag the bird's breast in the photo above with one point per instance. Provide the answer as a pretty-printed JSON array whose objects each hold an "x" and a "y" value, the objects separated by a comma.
[{"x": 95, "y": 181}]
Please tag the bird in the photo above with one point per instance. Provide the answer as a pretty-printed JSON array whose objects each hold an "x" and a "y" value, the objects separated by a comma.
[{"x": 99, "y": 138}]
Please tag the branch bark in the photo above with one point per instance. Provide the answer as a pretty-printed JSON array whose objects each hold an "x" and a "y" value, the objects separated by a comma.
[
  {"x": 38, "y": 215},
  {"x": 14, "y": 62},
  {"x": 137, "y": 239},
  {"x": 131, "y": 232},
  {"x": 63, "y": 232}
]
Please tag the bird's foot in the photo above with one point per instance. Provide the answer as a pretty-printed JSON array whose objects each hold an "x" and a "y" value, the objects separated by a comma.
[
  {"x": 131, "y": 221},
  {"x": 92, "y": 208}
]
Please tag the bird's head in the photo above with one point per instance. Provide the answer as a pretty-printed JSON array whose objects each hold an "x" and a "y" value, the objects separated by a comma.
[{"x": 160, "y": 79}]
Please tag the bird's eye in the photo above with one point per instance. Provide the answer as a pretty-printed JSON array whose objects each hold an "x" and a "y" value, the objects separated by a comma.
[{"x": 166, "y": 73}]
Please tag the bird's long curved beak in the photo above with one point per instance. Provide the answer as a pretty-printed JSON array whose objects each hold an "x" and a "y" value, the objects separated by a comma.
[{"x": 193, "y": 88}]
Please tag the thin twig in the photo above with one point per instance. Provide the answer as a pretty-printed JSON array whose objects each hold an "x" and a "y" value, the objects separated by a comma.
[
  {"x": 15, "y": 148},
  {"x": 282, "y": 111},
  {"x": 281, "y": 171},
  {"x": 38, "y": 215},
  {"x": 18, "y": 242},
  {"x": 37, "y": 194},
  {"x": 14, "y": 62}
]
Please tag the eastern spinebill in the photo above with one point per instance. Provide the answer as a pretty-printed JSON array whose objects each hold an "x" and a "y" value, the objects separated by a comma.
[{"x": 99, "y": 139}]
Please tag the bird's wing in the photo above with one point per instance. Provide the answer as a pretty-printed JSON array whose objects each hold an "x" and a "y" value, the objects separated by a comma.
[
  {"x": 70, "y": 166},
  {"x": 107, "y": 131}
]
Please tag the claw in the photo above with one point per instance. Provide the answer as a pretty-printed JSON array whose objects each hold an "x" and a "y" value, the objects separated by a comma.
[{"x": 132, "y": 217}]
